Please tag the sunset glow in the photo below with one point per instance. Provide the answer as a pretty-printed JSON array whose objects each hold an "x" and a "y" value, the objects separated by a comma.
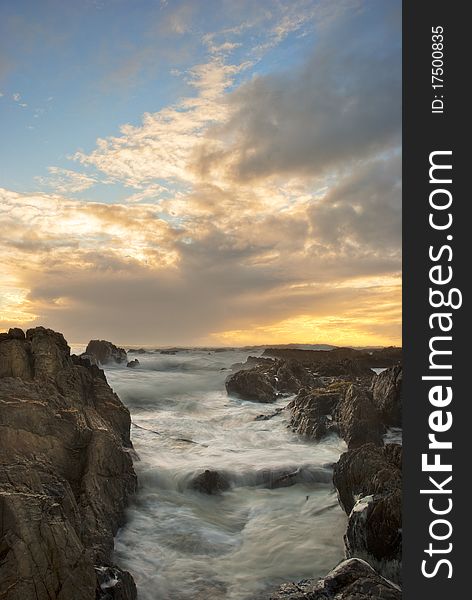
[{"x": 206, "y": 180}]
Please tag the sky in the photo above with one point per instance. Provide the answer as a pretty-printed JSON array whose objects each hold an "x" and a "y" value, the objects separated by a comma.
[{"x": 204, "y": 172}]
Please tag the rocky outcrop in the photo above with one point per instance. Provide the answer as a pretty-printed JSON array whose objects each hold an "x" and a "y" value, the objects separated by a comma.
[
  {"x": 105, "y": 352},
  {"x": 264, "y": 380},
  {"x": 65, "y": 473},
  {"x": 251, "y": 384},
  {"x": 353, "y": 579},
  {"x": 312, "y": 412},
  {"x": 369, "y": 484},
  {"x": 386, "y": 393},
  {"x": 133, "y": 363},
  {"x": 352, "y": 359},
  {"x": 210, "y": 482},
  {"x": 358, "y": 420},
  {"x": 345, "y": 409}
]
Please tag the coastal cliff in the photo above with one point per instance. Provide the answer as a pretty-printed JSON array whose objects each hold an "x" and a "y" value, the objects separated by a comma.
[{"x": 66, "y": 473}]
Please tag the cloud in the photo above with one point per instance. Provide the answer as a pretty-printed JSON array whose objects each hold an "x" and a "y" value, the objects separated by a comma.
[
  {"x": 363, "y": 209},
  {"x": 341, "y": 107},
  {"x": 263, "y": 208},
  {"x": 65, "y": 181}
]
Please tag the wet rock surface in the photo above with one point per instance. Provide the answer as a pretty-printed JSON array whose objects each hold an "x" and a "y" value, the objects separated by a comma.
[
  {"x": 312, "y": 412},
  {"x": 253, "y": 384},
  {"x": 340, "y": 407},
  {"x": 353, "y": 579},
  {"x": 386, "y": 395},
  {"x": 265, "y": 380},
  {"x": 369, "y": 484},
  {"x": 379, "y": 358},
  {"x": 65, "y": 471},
  {"x": 358, "y": 420}
]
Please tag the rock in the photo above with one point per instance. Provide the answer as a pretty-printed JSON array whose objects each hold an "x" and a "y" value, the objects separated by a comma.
[
  {"x": 210, "y": 482},
  {"x": 16, "y": 334},
  {"x": 251, "y": 384},
  {"x": 369, "y": 484},
  {"x": 66, "y": 472},
  {"x": 133, "y": 363},
  {"x": 105, "y": 352},
  {"x": 312, "y": 412},
  {"x": 366, "y": 471},
  {"x": 280, "y": 478},
  {"x": 386, "y": 394},
  {"x": 344, "y": 360},
  {"x": 115, "y": 584},
  {"x": 374, "y": 531},
  {"x": 15, "y": 358},
  {"x": 291, "y": 376},
  {"x": 264, "y": 379},
  {"x": 352, "y": 579},
  {"x": 276, "y": 412},
  {"x": 358, "y": 420}
]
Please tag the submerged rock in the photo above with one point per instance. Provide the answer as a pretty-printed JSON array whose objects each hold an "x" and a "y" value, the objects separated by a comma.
[
  {"x": 65, "y": 470},
  {"x": 352, "y": 579},
  {"x": 210, "y": 482},
  {"x": 105, "y": 352},
  {"x": 276, "y": 412}
]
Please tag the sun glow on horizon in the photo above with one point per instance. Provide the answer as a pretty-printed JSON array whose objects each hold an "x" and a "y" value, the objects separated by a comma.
[{"x": 227, "y": 192}]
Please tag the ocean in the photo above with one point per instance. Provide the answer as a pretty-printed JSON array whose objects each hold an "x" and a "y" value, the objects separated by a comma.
[{"x": 180, "y": 544}]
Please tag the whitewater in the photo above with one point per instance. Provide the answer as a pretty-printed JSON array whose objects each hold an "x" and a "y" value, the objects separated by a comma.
[{"x": 180, "y": 544}]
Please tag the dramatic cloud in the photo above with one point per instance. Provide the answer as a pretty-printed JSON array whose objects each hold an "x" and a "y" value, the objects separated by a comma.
[{"x": 260, "y": 208}]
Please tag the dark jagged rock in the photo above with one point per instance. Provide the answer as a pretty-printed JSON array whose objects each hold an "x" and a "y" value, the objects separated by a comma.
[
  {"x": 386, "y": 393},
  {"x": 366, "y": 471},
  {"x": 358, "y": 419},
  {"x": 374, "y": 531},
  {"x": 264, "y": 380},
  {"x": 65, "y": 470},
  {"x": 210, "y": 482},
  {"x": 353, "y": 579},
  {"x": 105, "y": 352},
  {"x": 369, "y": 484},
  {"x": 133, "y": 363},
  {"x": 115, "y": 584},
  {"x": 340, "y": 408},
  {"x": 251, "y": 384},
  {"x": 312, "y": 412},
  {"x": 16, "y": 334}
]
